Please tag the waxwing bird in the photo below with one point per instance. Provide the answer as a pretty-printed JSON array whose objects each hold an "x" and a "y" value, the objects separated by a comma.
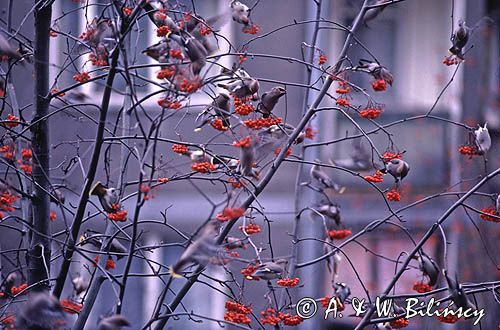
[
  {"x": 159, "y": 51},
  {"x": 225, "y": 163},
  {"x": 330, "y": 211},
  {"x": 398, "y": 168},
  {"x": 459, "y": 39},
  {"x": 270, "y": 139},
  {"x": 9, "y": 282},
  {"x": 372, "y": 13},
  {"x": 240, "y": 12},
  {"x": 108, "y": 197},
  {"x": 201, "y": 249},
  {"x": 242, "y": 85},
  {"x": 101, "y": 31},
  {"x": 57, "y": 196},
  {"x": 96, "y": 239},
  {"x": 271, "y": 270},
  {"x": 198, "y": 156},
  {"x": 358, "y": 160},
  {"x": 41, "y": 312},
  {"x": 320, "y": 176},
  {"x": 429, "y": 267},
  {"x": 269, "y": 100},
  {"x": 113, "y": 322},
  {"x": 80, "y": 284},
  {"x": 376, "y": 70},
  {"x": 457, "y": 293},
  {"x": 7, "y": 50},
  {"x": 194, "y": 50},
  {"x": 482, "y": 140},
  {"x": 232, "y": 243},
  {"x": 247, "y": 161},
  {"x": 218, "y": 109},
  {"x": 342, "y": 292}
]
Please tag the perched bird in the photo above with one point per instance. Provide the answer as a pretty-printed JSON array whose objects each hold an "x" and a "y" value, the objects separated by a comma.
[
  {"x": 80, "y": 284},
  {"x": 271, "y": 270},
  {"x": 269, "y": 140},
  {"x": 342, "y": 292},
  {"x": 459, "y": 39},
  {"x": 242, "y": 85},
  {"x": 96, "y": 239},
  {"x": 320, "y": 176},
  {"x": 200, "y": 250},
  {"x": 41, "y": 312},
  {"x": 9, "y": 282},
  {"x": 372, "y": 13},
  {"x": 378, "y": 71},
  {"x": 232, "y": 243},
  {"x": 330, "y": 211},
  {"x": 57, "y": 196},
  {"x": 218, "y": 109},
  {"x": 225, "y": 162},
  {"x": 194, "y": 50},
  {"x": 429, "y": 267},
  {"x": 247, "y": 161},
  {"x": 199, "y": 156},
  {"x": 113, "y": 322},
  {"x": 358, "y": 160},
  {"x": 269, "y": 100},
  {"x": 108, "y": 197},
  {"x": 101, "y": 31},
  {"x": 7, "y": 50},
  {"x": 159, "y": 51},
  {"x": 457, "y": 293},
  {"x": 398, "y": 168},
  {"x": 482, "y": 139},
  {"x": 240, "y": 12}
]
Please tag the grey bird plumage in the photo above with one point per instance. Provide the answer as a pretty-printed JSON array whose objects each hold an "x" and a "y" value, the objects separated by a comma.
[
  {"x": 376, "y": 70},
  {"x": 269, "y": 100},
  {"x": 398, "y": 168},
  {"x": 113, "y": 322},
  {"x": 159, "y": 51},
  {"x": 332, "y": 212},
  {"x": 457, "y": 292},
  {"x": 218, "y": 109},
  {"x": 96, "y": 239},
  {"x": 321, "y": 177},
  {"x": 482, "y": 139},
  {"x": 359, "y": 159},
  {"x": 41, "y": 312},
  {"x": 6, "y": 49},
  {"x": 459, "y": 39},
  {"x": 429, "y": 267},
  {"x": 201, "y": 249},
  {"x": 247, "y": 160},
  {"x": 240, "y": 12},
  {"x": 232, "y": 243},
  {"x": 194, "y": 50},
  {"x": 80, "y": 283},
  {"x": 342, "y": 292},
  {"x": 271, "y": 270},
  {"x": 497, "y": 204},
  {"x": 241, "y": 85},
  {"x": 107, "y": 196}
]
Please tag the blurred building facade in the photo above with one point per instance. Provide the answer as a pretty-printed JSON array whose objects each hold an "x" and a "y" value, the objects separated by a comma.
[{"x": 411, "y": 38}]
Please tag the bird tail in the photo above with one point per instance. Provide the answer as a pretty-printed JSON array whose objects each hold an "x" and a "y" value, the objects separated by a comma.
[
  {"x": 173, "y": 272},
  {"x": 95, "y": 188}
]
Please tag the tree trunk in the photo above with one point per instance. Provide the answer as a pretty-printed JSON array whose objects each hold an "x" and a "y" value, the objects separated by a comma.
[{"x": 39, "y": 249}]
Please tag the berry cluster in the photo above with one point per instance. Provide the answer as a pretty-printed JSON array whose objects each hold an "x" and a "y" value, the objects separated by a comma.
[
  {"x": 237, "y": 313},
  {"x": 21, "y": 289},
  {"x": 71, "y": 307},
  {"x": 490, "y": 210},
  {"x": 230, "y": 214},
  {"x": 393, "y": 195},
  {"x": 399, "y": 323},
  {"x": 248, "y": 272},
  {"x": 251, "y": 29},
  {"x": 203, "y": 167},
  {"x": 376, "y": 178},
  {"x": 288, "y": 282},
  {"x": 180, "y": 149},
  {"x": 379, "y": 85},
  {"x": 167, "y": 103},
  {"x": 166, "y": 73},
  {"x": 82, "y": 77},
  {"x": 339, "y": 234},
  {"x": 250, "y": 229},
  {"x": 322, "y": 59},
  {"x": 163, "y": 31},
  {"x": 243, "y": 143},
  {"x": 451, "y": 60},
  {"x": 468, "y": 150},
  {"x": 98, "y": 60},
  {"x": 421, "y": 287},
  {"x": 259, "y": 123},
  {"x": 370, "y": 112},
  {"x": 176, "y": 53},
  {"x": 241, "y": 107},
  {"x": 12, "y": 121},
  {"x": 218, "y": 124},
  {"x": 450, "y": 318}
]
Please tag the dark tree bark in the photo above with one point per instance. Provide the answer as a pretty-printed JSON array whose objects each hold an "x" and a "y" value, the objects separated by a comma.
[{"x": 39, "y": 249}]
